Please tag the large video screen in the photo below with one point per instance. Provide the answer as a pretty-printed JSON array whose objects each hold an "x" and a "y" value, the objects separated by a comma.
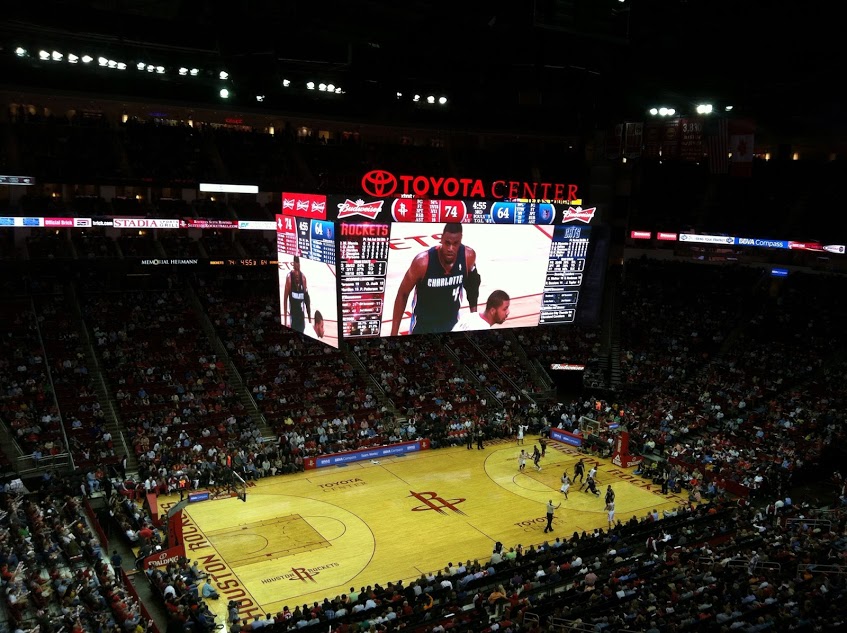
[
  {"x": 416, "y": 278},
  {"x": 308, "y": 295}
]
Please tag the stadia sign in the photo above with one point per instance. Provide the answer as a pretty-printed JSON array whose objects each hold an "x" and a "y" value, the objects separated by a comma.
[{"x": 379, "y": 183}]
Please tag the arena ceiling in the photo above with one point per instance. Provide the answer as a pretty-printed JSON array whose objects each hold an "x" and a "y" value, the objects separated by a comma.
[{"x": 572, "y": 63}]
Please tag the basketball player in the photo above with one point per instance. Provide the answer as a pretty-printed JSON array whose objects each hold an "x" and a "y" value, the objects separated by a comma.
[
  {"x": 316, "y": 330},
  {"x": 438, "y": 276},
  {"x": 536, "y": 458},
  {"x": 579, "y": 470},
  {"x": 610, "y": 508},
  {"x": 496, "y": 313},
  {"x": 297, "y": 294},
  {"x": 522, "y": 460},
  {"x": 521, "y": 429},
  {"x": 566, "y": 484}
]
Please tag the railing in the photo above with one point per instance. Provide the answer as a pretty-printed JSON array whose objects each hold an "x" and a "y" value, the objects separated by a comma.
[
  {"x": 92, "y": 356},
  {"x": 743, "y": 562},
  {"x": 233, "y": 375},
  {"x": 469, "y": 374},
  {"x": 373, "y": 379},
  {"x": 50, "y": 378},
  {"x": 821, "y": 569},
  {"x": 27, "y": 464},
  {"x": 821, "y": 523},
  {"x": 496, "y": 366}
]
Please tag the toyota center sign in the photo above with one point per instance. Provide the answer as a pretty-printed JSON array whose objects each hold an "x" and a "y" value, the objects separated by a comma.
[{"x": 382, "y": 184}]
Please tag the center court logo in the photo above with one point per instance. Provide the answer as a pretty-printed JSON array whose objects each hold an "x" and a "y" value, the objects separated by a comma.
[
  {"x": 301, "y": 574},
  {"x": 379, "y": 183},
  {"x": 431, "y": 501}
]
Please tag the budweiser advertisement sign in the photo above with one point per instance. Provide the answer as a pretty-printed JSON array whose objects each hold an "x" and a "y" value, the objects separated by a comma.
[
  {"x": 304, "y": 205},
  {"x": 368, "y": 210},
  {"x": 579, "y": 214},
  {"x": 380, "y": 183}
]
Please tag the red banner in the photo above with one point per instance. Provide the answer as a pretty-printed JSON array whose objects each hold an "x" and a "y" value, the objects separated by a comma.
[
  {"x": 165, "y": 557},
  {"x": 304, "y": 205}
]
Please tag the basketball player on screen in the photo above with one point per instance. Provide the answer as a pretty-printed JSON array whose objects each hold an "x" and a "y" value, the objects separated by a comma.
[
  {"x": 297, "y": 295},
  {"x": 438, "y": 277},
  {"x": 317, "y": 329},
  {"x": 496, "y": 312}
]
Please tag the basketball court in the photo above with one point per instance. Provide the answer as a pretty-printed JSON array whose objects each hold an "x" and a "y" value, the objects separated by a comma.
[{"x": 300, "y": 538}]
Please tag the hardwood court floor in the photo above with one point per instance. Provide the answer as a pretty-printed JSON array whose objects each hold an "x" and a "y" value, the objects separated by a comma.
[{"x": 299, "y": 538}]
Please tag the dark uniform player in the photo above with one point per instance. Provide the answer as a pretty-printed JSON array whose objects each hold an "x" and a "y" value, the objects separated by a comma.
[
  {"x": 536, "y": 458},
  {"x": 438, "y": 277},
  {"x": 297, "y": 295},
  {"x": 579, "y": 471}
]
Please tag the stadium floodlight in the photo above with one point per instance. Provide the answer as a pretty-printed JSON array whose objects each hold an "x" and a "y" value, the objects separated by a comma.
[
  {"x": 102, "y": 61},
  {"x": 728, "y": 108},
  {"x": 57, "y": 56},
  {"x": 442, "y": 100},
  {"x": 663, "y": 112},
  {"x": 322, "y": 87},
  {"x": 160, "y": 70},
  {"x": 430, "y": 99},
  {"x": 20, "y": 51},
  {"x": 194, "y": 72},
  {"x": 654, "y": 111},
  {"x": 416, "y": 98},
  {"x": 141, "y": 65},
  {"x": 286, "y": 83},
  {"x": 72, "y": 59},
  {"x": 339, "y": 91},
  {"x": 43, "y": 55},
  {"x": 399, "y": 95},
  {"x": 224, "y": 75},
  {"x": 704, "y": 108},
  {"x": 183, "y": 71},
  {"x": 260, "y": 98},
  {"x": 671, "y": 111},
  {"x": 87, "y": 59},
  {"x": 112, "y": 63},
  {"x": 224, "y": 93},
  {"x": 330, "y": 88},
  {"x": 150, "y": 68},
  {"x": 310, "y": 85},
  {"x": 121, "y": 66}
]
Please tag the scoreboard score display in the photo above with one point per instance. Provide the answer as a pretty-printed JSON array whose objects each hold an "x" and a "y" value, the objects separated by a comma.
[{"x": 409, "y": 266}]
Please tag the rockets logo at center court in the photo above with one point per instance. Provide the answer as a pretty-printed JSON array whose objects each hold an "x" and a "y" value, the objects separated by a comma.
[{"x": 431, "y": 501}]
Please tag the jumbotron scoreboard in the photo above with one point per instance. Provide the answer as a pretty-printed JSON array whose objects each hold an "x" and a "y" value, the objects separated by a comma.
[{"x": 391, "y": 264}]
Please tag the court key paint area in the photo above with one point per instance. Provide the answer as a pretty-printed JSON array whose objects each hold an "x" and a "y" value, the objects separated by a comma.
[{"x": 300, "y": 538}]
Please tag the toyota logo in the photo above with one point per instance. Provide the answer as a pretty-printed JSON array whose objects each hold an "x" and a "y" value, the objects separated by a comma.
[{"x": 379, "y": 183}]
